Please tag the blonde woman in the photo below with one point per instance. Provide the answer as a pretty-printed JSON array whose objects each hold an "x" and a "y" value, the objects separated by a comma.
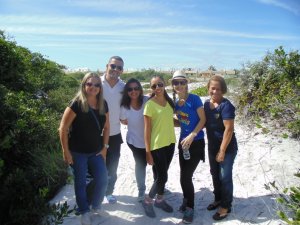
[{"x": 84, "y": 134}]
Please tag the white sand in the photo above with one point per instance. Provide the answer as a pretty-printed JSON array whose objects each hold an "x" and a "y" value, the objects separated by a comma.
[{"x": 261, "y": 159}]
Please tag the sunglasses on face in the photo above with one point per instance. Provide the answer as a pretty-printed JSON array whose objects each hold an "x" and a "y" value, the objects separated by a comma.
[
  {"x": 130, "y": 89},
  {"x": 115, "y": 67},
  {"x": 176, "y": 82},
  {"x": 89, "y": 84},
  {"x": 154, "y": 86}
]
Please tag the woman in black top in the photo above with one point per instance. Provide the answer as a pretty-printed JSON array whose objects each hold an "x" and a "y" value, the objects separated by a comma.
[{"x": 84, "y": 134}]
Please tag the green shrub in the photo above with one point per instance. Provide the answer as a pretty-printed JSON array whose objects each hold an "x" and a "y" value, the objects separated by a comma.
[
  {"x": 271, "y": 89},
  {"x": 201, "y": 91},
  {"x": 289, "y": 200},
  {"x": 31, "y": 165},
  {"x": 145, "y": 75}
]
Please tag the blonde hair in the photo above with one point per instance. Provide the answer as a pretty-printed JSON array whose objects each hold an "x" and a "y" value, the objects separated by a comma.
[{"x": 81, "y": 95}]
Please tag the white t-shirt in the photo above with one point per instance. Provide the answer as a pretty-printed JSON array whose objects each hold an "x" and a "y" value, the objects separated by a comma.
[
  {"x": 135, "y": 127},
  {"x": 113, "y": 96}
]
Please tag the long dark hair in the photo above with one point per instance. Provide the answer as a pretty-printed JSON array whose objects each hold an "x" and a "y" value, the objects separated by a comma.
[
  {"x": 125, "y": 97},
  {"x": 169, "y": 100}
]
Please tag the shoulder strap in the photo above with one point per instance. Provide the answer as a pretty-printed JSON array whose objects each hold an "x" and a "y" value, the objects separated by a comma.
[{"x": 94, "y": 115}]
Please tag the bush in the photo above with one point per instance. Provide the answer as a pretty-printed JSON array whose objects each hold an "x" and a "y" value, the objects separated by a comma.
[
  {"x": 201, "y": 91},
  {"x": 31, "y": 165},
  {"x": 289, "y": 200},
  {"x": 145, "y": 75},
  {"x": 272, "y": 89}
]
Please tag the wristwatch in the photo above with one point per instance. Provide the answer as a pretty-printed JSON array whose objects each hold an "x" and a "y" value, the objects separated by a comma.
[{"x": 106, "y": 146}]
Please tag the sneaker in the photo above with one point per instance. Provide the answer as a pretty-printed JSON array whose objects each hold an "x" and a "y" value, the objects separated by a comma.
[
  {"x": 86, "y": 219},
  {"x": 149, "y": 209},
  {"x": 111, "y": 199},
  {"x": 188, "y": 215},
  {"x": 163, "y": 205},
  {"x": 182, "y": 208},
  {"x": 141, "y": 196},
  {"x": 167, "y": 191},
  {"x": 96, "y": 211}
]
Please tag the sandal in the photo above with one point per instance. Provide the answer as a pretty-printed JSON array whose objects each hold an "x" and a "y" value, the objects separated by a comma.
[
  {"x": 213, "y": 206},
  {"x": 218, "y": 216}
]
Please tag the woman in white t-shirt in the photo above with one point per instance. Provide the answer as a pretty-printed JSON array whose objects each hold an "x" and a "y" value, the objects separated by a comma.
[{"x": 132, "y": 107}]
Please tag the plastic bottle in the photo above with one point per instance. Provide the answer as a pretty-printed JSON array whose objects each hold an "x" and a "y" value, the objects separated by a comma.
[{"x": 186, "y": 153}]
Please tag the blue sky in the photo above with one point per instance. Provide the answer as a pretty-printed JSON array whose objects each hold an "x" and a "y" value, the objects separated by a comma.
[{"x": 158, "y": 34}]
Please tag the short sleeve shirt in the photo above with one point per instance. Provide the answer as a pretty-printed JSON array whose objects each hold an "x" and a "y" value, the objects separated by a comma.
[
  {"x": 135, "y": 127},
  {"x": 162, "y": 124},
  {"x": 188, "y": 116},
  {"x": 85, "y": 134},
  {"x": 113, "y": 96},
  {"x": 214, "y": 123}
]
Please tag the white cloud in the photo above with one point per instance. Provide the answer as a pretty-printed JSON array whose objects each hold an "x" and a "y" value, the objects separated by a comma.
[
  {"x": 289, "y": 5},
  {"x": 116, "y": 28},
  {"x": 116, "y": 5}
]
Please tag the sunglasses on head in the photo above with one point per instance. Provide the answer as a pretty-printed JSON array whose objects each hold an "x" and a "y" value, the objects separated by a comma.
[
  {"x": 177, "y": 82},
  {"x": 154, "y": 86},
  {"x": 130, "y": 89},
  {"x": 89, "y": 84},
  {"x": 115, "y": 67}
]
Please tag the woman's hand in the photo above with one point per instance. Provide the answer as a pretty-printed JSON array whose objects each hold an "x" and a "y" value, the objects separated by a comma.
[
  {"x": 187, "y": 141},
  {"x": 103, "y": 153},
  {"x": 68, "y": 157},
  {"x": 149, "y": 158},
  {"x": 124, "y": 122},
  {"x": 220, "y": 156}
]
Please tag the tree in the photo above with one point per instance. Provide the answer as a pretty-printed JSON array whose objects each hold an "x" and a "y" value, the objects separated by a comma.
[{"x": 212, "y": 68}]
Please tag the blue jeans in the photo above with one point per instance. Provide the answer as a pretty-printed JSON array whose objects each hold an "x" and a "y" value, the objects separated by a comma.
[
  {"x": 97, "y": 168},
  {"x": 139, "y": 155},
  {"x": 112, "y": 161},
  {"x": 222, "y": 177}
]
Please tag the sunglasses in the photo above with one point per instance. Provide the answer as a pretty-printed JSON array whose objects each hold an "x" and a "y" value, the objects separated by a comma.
[
  {"x": 154, "y": 86},
  {"x": 115, "y": 67},
  {"x": 176, "y": 82},
  {"x": 130, "y": 89},
  {"x": 89, "y": 84}
]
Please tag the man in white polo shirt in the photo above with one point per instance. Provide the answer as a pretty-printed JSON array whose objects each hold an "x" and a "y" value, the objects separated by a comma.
[{"x": 112, "y": 91}]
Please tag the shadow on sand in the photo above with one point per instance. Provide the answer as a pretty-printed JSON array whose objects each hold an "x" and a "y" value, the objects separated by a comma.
[{"x": 252, "y": 210}]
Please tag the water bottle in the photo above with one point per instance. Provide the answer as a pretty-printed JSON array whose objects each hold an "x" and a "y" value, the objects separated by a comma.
[{"x": 186, "y": 153}]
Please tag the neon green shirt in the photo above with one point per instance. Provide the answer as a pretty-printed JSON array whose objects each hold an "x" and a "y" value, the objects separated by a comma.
[{"x": 162, "y": 132}]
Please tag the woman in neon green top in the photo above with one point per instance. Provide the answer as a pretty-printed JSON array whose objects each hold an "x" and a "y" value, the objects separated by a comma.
[{"x": 160, "y": 143}]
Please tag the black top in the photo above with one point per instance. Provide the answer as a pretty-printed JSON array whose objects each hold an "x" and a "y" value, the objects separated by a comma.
[{"x": 85, "y": 134}]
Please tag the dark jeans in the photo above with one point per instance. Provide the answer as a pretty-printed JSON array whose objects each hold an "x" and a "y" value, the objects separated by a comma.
[
  {"x": 139, "y": 155},
  {"x": 222, "y": 177},
  {"x": 187, "y": 168},
  {"x": 162, "y": 158},
  {"x": 112, "y": 161}
]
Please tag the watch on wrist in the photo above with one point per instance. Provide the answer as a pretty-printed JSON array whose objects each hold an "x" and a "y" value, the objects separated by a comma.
[{"x": 106, "y": 145}]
